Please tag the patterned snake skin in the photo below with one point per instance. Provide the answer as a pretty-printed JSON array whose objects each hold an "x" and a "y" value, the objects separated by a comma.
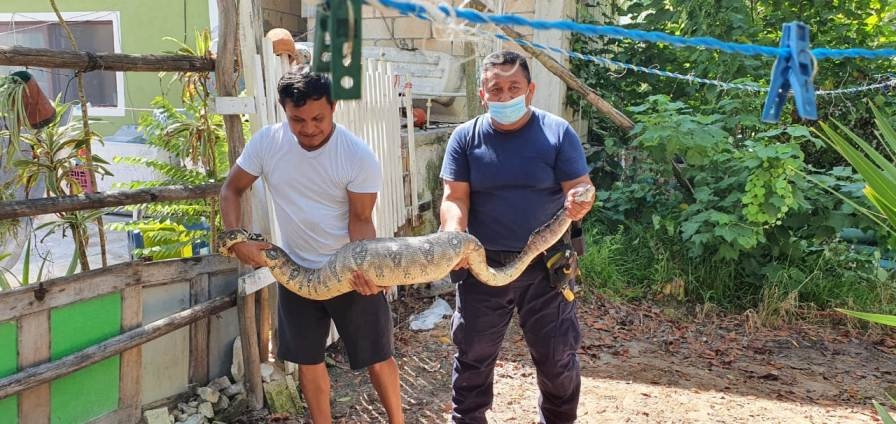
[{"x": 401, "y": 260}]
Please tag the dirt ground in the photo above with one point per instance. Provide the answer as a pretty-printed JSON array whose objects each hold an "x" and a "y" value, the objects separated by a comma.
[{"x": 641, "y": 364}]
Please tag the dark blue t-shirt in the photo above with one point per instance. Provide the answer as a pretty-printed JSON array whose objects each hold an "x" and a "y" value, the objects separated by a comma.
[{"x": 514, "y": 177}]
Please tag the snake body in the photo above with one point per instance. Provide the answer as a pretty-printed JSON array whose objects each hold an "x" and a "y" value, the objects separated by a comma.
[{"x": 402, "y": 260}]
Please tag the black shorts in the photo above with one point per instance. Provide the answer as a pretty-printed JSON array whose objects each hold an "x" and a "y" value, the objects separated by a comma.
[{"x": 364, "y": 324}]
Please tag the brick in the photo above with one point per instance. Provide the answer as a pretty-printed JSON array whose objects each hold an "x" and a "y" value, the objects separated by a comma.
[
  {"x": 458, "y": 48},
  {"x": 375, "y": 29},
  {"x": 274, "y": 19},
  {"x": 520, "y": 7},
  {"x": 407, "y": 27},
  {"x": 288, "y": 6},
  {"x": 430, "y": 44},
  {"x": 385, "y": 11}
]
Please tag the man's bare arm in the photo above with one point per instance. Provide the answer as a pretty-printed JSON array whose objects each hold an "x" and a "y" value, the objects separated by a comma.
[
  {"x": 248, "y": 252},
  {"x": 454, "y": 210},
  {"x": 455, "y": 206}
]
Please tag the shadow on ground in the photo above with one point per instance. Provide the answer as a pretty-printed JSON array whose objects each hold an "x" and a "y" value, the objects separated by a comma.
[{"x": 639, "y": 365}]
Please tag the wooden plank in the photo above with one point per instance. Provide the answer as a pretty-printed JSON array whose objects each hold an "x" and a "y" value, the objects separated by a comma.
[
  {"x": 34, "y": 349},
  {"x": 275, "y": 341},
  {"x": 33, "y": 207},
  {"x": 199, "y": 333},
  {"x": 46, "y": 372},
  {"x": 233, "y": 105},
  {"x": 116, "y": 417},
  {"x": 88, "y": 61},
  {"x": 166, "y": 360},
  {"x": 62, "y": 291},
  {"x": 264, "y": 323},
  {"x": 255, "y": 281},
  {"x": 170, "y": 401},
  {"x": 130, "y": 392},
  {"x": 226, "y": 74},
  {"x": 251, "y": 363}
]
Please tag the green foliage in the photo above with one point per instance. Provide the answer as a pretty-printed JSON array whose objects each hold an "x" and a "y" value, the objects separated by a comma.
[
  {"x": 12, "y": 109},
  {"x": 694, "y": 177},
  {"x": 57, "y": 151},
  {"x": 25, "y": 278},
  {"x": 882, "y": 412},
  {"x": 188, "y": 134},
  {"x": 715, "y": 202},
  {"x": 173, "y": 131},
  {"x": 197, "y": 141},
  {"x": 878, "y": 318},
  {"x": 877, "y": 168},
  {"x": 9, "y": 228},
  {"x": 636, "y": 262},
  {"x": 164, "y": 238},
  {"x": 841, "y": 24}
]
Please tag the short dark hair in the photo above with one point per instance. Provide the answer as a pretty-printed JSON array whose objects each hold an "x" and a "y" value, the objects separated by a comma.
[
  {"x": 506, "y": 57},
  {"x": 299, "y": 86}
]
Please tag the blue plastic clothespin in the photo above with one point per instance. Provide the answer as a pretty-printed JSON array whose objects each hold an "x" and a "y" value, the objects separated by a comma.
[{"x": 793, "y": 71}]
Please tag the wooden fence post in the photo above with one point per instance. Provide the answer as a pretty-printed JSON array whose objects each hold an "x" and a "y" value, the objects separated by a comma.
[
  {"x": 34, "y": 349},
  {"x": 130, "y": 394},
  {"x": 225, "y": 72},
  {"x": 199, "y": 333}
]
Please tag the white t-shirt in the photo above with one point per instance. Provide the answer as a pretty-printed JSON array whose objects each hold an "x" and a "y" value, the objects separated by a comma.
[{"x": 310, "y": 189}]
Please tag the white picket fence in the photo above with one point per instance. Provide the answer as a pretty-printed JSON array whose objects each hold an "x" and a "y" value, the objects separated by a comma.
[{"x": 374, "y": 117}]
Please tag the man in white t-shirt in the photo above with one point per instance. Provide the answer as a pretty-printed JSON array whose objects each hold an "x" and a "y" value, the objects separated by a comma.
[{"x": 324, "y": 182}]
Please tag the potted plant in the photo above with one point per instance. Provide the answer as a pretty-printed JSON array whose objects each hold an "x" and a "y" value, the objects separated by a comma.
[{"x": 23, "y": 105}]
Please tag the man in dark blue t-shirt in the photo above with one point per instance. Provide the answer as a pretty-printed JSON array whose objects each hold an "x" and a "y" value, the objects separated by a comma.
[{"x": 506, "y": 173}]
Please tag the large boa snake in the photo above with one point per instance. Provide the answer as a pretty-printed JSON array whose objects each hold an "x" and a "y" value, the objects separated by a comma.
[{"x": 402, "y": 260}]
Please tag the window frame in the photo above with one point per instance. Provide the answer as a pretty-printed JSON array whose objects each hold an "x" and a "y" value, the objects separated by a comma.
[{"x": 110, "y": 15}]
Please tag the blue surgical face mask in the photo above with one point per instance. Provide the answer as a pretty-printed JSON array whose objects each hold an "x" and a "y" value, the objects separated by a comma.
[{"x": 506, "y": 113}]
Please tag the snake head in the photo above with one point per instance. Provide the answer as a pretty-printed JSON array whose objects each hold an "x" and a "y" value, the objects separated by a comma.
[
  {"x": 230, "y": 237},
  {"x": 583, "y": 193}
]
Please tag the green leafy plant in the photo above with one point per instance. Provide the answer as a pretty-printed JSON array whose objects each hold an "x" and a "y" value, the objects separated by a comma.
[
  {"x": 723, "y": 205},
  {"x": 837, "y": 25},
  {"x": 57, "y": 153},
  {"x": 9, "y": 228},
  {"x": 170, "y": 130},
  {"x": 875, "y": 167},
  {"x": 880, "y": 176},
  {"x": 12, "y": 108},
  {"x": 195, "y": 138}
]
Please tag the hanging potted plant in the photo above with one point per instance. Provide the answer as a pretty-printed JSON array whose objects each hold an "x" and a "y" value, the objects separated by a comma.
[{"x": 23, "y": 105}]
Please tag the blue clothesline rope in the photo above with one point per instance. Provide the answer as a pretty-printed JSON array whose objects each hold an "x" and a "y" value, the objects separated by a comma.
[
  {"x": 690, "y": 78},
  {"x": 614, "y": 64},
  {"x": 476, "y": 17}
]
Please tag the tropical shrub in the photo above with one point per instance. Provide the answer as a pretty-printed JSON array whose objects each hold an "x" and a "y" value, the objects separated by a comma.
[{"x": 728, "y": 209}]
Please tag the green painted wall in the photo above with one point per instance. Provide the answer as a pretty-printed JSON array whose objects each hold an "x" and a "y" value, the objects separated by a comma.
[
  {"x": 92, "y": 391},
  {"x": 143, "y": 24},
  {"x": 9, "y": 359}
]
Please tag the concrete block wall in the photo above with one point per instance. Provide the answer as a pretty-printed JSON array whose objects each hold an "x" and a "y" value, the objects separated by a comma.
[
  {"x": 387, "y": 28},
  {"x": 283, "y": 14}
]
